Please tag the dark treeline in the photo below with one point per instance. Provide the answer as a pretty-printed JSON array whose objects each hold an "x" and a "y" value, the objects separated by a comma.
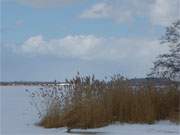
[
  {"x": 159, "y": 82},
  {"x": 10, "y": 83},
  {"x": 91, "y": 103}
]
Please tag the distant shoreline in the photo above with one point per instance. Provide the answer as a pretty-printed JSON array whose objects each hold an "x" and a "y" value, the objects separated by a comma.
[
  {"x": 18, "y": 85},
  {"x": 36, "y": 83},
  {"x": 159, "y": 82}
]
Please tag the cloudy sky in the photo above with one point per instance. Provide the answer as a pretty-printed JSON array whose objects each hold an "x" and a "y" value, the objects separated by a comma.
[{"x": 53, "y": 39}]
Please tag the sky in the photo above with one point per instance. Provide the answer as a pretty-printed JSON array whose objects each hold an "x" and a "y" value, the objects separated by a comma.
[{"x": 46, "y": 40}]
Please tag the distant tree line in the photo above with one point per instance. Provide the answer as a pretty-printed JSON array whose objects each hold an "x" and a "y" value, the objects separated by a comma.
[{"x": 30, "y": 83}]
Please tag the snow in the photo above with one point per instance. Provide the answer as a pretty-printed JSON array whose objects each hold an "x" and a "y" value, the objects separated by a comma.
[{"x": 18, "y": 117}]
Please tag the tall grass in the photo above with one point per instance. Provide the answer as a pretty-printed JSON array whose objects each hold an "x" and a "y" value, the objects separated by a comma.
[{"x": 91, "y": 103}]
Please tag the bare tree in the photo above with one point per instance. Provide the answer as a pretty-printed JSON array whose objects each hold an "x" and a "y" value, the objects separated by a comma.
[{"x": 168, "y": 65}]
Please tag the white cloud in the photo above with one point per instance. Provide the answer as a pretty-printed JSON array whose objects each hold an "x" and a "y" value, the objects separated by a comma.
[
  {"x": 99, "y": 10},
  {"x": 90, "y": 47},
  {"x": 160, "y": 12},
  {"x": 46, "y": 3},
  {"x": 165, "y": 11}
]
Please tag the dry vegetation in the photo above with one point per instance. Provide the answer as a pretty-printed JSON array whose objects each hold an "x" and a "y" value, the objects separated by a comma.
[{"x": 90, "y": 103}]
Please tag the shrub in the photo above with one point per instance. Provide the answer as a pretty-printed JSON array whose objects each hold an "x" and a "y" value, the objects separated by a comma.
[{"x": 91, "y": 103}]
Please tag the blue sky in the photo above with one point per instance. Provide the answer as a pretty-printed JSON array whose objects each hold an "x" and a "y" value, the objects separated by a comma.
[{"x": 53, "y": 39}]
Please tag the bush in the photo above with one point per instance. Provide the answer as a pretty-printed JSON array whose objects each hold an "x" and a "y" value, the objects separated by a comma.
[{"x": 91, "y": 103}]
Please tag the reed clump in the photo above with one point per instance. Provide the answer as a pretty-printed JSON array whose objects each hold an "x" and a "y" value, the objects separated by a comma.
[{"x": 91, "y": 103}]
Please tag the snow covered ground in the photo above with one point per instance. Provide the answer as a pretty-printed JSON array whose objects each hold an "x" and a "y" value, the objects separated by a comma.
[{"x": 18, "y": 117}]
